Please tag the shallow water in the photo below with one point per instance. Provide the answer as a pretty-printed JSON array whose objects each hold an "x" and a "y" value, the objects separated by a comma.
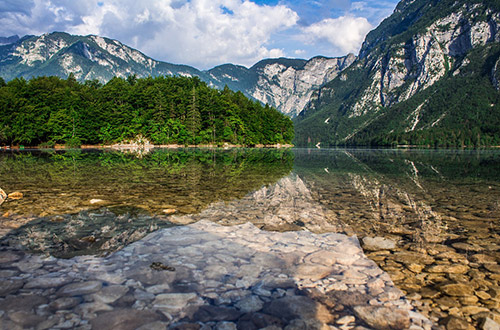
[{"x": 437, "y": 213}]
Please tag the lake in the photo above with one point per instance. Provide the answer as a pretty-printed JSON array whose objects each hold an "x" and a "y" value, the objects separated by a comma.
[{"x": 250, "y": 238}]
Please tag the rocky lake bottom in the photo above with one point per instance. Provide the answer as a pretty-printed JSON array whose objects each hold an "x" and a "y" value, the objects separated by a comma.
[{"x": 335, "y": 241}]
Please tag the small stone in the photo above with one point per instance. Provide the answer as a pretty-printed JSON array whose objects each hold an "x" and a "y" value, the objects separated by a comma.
[
  {"x": 25, "y": 319},
  {"x": 312, "y": 272},
  {"x": 124, "y": 319},
  {"x": 472, "y": 310},
  {"x": 26, "y": 303},
  {"x": 450, "y": 269},
  {"x": 46, "y": 282},
  {"x": 110, "y": 294},
  {"x": 250, "y": 304},
  {"x": 96, "y": 201},
  {"x": 80, "y": 288},
  {"x": 456, "y": 323},
  {"x": 3, "y": 196},
  {"x": 169, "y": 211},
  {"x": 483, "y": 259},
  {"x": 457, "y": 290},
  {"x": 467, "y": 247},
  {"x": 494, "y": 268},
  {"x": 10, "y": 286},
  {"x": 416, "y": 268},
  {"x": 383, "y": 317},
  {"x": 208, "y": 313},
  {"x": 378, "y": 243},
  {"x": 153, "y": 326},
  {"x": 322, "y": 257},
  {"x": 16, "y": 195},
  {"x": 225, "y": 326},
  {"x": 409, "y": 257},
  {"x": 173, "y": 302},
  {"x": 489, "y": 324},
  {"x": 483, "y": 295},
  {"x": 346, "y": 320},
  {"x": 159, "y": 288},
  {"x": 292, "y": 307},
  {"x": 65, "y": 303},
  {"x": 8, "y": 256}
]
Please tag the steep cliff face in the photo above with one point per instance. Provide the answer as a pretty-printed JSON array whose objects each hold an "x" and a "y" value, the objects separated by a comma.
[
  {"x": 289, "y": 88},
  {"x": 286, "y": 84},
  {"x": 422, "y": 43},
  {"x": 427, "y": 56}
]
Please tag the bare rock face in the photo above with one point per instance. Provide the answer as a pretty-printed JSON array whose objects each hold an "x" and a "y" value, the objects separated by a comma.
[
  {"x": 288, "y": 89},
  {"x": 425, "y": 59}
]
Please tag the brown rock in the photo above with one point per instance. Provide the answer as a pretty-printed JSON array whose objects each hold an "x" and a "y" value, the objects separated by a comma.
[
  {"x": 416, "y": 268},
  {"x": 483, "y": 259},
  {"x": 494, "y": 268},
  {"x": 408, "y": 257},
  {"x": 456, "y": 323},
  {"x": 457, "y": 290},
  {"x": 383, "y": 317},
  {"x": 16, "y": 195},
  {"x": 467, "y": 247},
  {"x": 451, "y": 269},
  {"x": 471, "y": 310}
]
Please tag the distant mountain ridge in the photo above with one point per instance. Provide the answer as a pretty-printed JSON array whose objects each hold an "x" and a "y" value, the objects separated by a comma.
[{"x": 283, "y": 83}]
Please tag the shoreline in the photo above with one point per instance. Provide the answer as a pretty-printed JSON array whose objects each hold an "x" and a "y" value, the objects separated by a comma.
[{"x": 151, "y": 146}]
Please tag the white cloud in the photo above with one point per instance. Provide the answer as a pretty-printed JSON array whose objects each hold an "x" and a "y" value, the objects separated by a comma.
[
  {"x": 202, "y": 33},
  {"x": 344, "y": 34}
]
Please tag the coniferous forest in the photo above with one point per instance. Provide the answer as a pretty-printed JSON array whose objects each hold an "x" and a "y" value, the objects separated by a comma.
[{"x": 165, "y": 110}]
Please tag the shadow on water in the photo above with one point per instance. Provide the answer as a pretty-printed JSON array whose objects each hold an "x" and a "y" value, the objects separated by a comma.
[
  {"x": 88, "y": 202},
  {"x": 204, "y": 275}
]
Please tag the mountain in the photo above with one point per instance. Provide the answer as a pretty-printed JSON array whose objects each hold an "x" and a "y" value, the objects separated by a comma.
[
  {"x": 283, "y": 83},
  {"x": 8, "y": 40},
  {"x": 87, "y": 57},
  {"x": 286, "y": 84},
  {"x": 427, "y": 75}
]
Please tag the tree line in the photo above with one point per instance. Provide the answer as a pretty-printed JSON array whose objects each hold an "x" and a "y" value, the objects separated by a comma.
[{"x": 165, "y": 110}]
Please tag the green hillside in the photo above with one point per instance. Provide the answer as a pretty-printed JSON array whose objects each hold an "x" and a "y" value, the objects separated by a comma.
[{"x": 164, "y": 110}]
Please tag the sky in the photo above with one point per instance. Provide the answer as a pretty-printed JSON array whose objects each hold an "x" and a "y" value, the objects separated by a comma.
[{"x": 206, "y": 33}]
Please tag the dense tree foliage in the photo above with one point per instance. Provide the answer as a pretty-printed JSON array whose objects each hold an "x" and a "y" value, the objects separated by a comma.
[{"x": 165, "y": 110}]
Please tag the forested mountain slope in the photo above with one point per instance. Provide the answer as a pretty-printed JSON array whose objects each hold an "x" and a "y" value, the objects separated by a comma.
[
  {"x": 428, "y": 75},
  {"x": 285, "y": 84}
]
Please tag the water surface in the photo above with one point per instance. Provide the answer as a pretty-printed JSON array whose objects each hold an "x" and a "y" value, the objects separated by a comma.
[{"x": 437, "y": 213}]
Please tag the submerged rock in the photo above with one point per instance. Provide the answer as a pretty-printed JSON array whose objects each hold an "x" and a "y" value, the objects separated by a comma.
[
  {"x": 383, "y": 318},
  {"x": 16, "y": 195},
  {"x": 378, "y": 243},
  {"x": 124, "y": 319},
  {"x": 3, "y": 196}
]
